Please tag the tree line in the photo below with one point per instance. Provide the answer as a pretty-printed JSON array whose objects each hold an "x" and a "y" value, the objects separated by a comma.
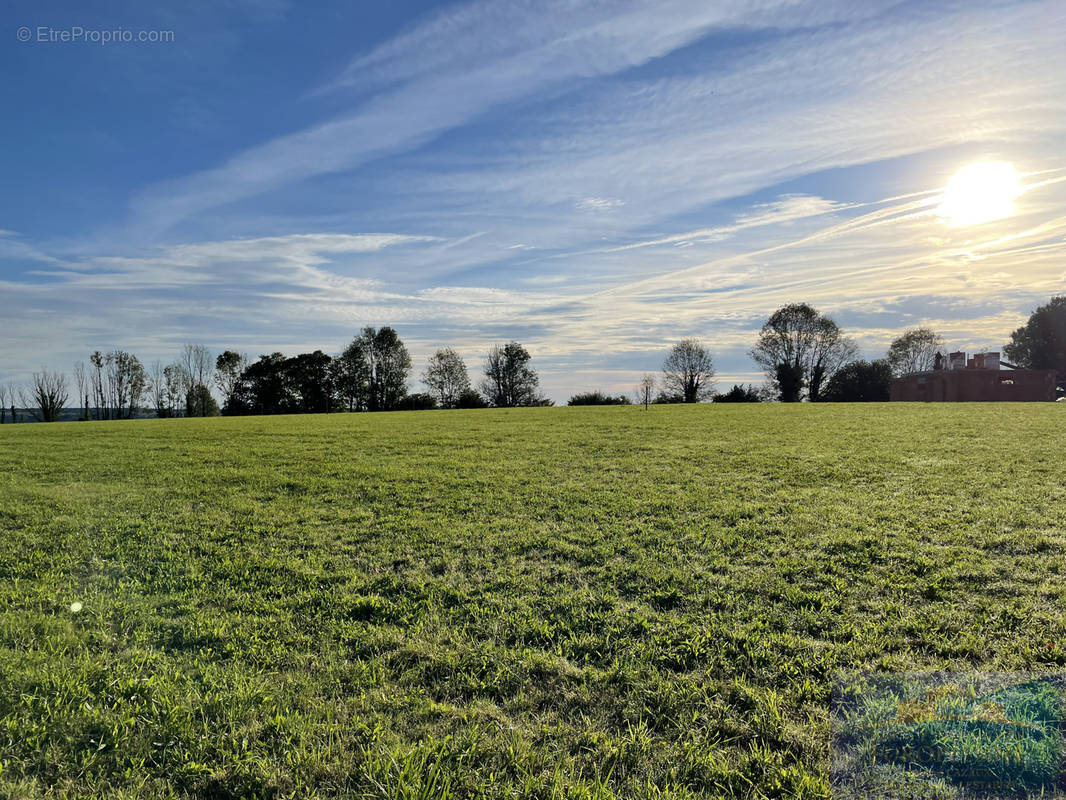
[
  {"x": 804, "y": 354},
  {"x": 370, "y": 374}
]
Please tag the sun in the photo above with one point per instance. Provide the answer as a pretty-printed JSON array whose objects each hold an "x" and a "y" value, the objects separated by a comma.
[{"x": 979, "y": 193}]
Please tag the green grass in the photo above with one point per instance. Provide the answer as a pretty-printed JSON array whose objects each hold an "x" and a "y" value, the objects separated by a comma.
[{"x": 572, "y": 603}]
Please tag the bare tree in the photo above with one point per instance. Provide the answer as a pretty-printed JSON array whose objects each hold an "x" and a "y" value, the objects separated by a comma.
[
  {"x": 48, "y": 395},
  {"x": 3, "y": 404},
  {"x": 98, "y": 385},
  {"x": 688, "y": 371},
  {"x": 645, "y": 390},
  {"x": 914, "y": 351},
  {"x": 446, "y": 376},
  {"x": 82, "y": 384}
]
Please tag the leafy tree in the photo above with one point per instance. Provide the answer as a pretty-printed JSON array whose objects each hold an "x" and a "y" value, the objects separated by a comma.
[
  {"x": 914, "y": 351},
  {"x": 446, "y": 376},
  {"x": 173, "y": 391},
  {"x": 688, "y": 371},
  {"x": 200, "y": 403},
  {"x": 265, "y": 388},
  {"x": 126, "y": 384},
  {"x": 470, "y": 398},
  {"x": 1041, "y": 342},
  {"x": 801, "y": 349},
  {"x": 509, "y": 380},
  {"x": 311, "y": 377},
  {"x": 739, "y": 394},
  {"x": 860, "y": 382},
  {"x": 352, "y": 376},
  {"x": 379, "y": 358},
  {"x": 598, "y": 399},
  {"x": 228, "y": 368}
]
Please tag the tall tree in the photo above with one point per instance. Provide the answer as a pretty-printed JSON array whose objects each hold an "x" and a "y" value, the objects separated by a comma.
[
  {"x": 81, "y": 385},
  {"x": 197, "y": 364},
  {"x": 228, "y": 368},
  {"x": 379, "y": 357},
  {"x": 446, "y": 376},
  {"x": 265, "y": 387},
  {"x": 126, "y": 383},
  {"x": 311, "y": 375},
  {"x": 801, "y": 349},
  {"x": 914, "y": 351},
  {"x": 688, "y": 371},
  {"x": 96, "y": 380},
  {"x": 509, "y": 379},
  {"x": 1041, "y": 342},
  {"x": 352, "y": 376},
  {"x": 175, "y": 381}
]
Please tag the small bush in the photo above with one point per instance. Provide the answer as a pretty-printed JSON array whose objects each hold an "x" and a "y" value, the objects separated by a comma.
[
  {"x": 598, "y": 399},
  {"x": 469, "y": 398},
  {"x": 739, "y": 394},
  {"x": 417, "y": 402}
]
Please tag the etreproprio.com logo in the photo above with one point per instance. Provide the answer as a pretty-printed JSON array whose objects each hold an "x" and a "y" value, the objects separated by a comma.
[{"x": 77, "y": 34}]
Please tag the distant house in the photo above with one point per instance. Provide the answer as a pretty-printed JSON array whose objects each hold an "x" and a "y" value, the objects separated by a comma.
[{"x": 982, "y": 378}]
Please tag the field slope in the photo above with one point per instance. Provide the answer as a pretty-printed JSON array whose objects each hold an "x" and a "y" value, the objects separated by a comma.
[{"x": 585, "y": 602}]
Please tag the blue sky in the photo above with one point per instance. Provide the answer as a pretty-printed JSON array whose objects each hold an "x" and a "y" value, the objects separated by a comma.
[{"x": 595, "y": 179}]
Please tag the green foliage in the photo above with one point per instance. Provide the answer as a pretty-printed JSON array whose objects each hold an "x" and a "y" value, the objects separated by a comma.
[
  {"x": 860, "y": 382},
  {"x": 739, "y": 394},
  {"x": 417, "y": 402},
  {"x": 598, "y": 399},
  {"x": 200, "y": 403},
  {"x": 513, "y": 603},
  {"x": 471, "y": 398},
  {"x": 510, "y": 380},
  {"x": 1041, "y": 342}
]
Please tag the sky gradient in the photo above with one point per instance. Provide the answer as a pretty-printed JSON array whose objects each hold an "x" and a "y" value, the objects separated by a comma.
[{"x": 594, "y": 179}]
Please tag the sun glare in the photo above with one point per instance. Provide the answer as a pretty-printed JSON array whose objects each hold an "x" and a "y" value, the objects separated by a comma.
[{"x": 980, "y": 193}]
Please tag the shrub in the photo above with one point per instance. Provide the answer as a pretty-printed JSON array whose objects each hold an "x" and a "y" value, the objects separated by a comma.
[
  {"x": 598, "y": 399},
  {"x": 417, "y": 402}
]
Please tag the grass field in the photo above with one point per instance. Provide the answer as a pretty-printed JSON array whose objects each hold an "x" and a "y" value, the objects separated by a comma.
[{"x": 570, "y": 602}]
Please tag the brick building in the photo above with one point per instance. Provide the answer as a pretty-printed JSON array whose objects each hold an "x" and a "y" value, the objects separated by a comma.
[{"x": 982, "y": 378}]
